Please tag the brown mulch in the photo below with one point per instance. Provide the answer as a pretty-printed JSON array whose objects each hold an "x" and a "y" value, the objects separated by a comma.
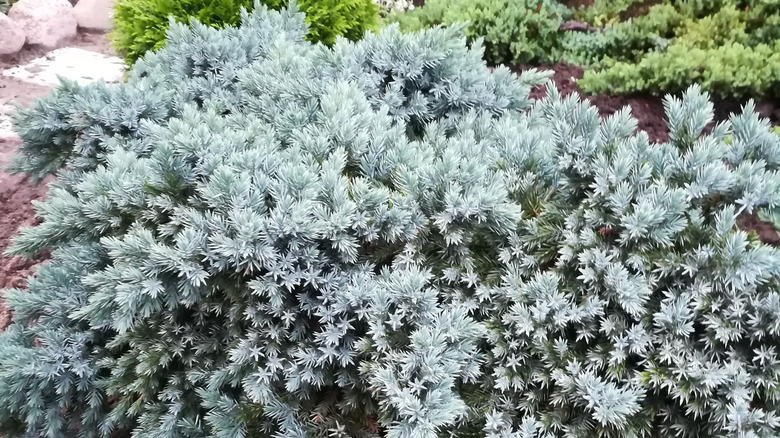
[
  {"x": 16, "y": 212},
  {"x": 648, "y": 110},
  {"x": 16, "y": 192},
  {"x": 765, "y": 230}
]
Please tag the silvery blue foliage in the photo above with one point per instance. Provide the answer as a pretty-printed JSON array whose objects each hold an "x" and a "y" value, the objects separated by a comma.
[{"x": 256, "y": 236}]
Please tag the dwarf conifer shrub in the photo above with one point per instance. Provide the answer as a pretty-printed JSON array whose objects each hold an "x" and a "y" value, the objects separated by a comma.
[
  {"x": 257, "y": 236},
  {"x": 141, "y": 25}
]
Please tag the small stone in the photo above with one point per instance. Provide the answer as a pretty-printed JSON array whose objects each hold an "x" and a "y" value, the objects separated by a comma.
[
  {"x": 11, "y": 36},
  {"x": 45, "y": 22},
  {"x": 95, "y": 14}
]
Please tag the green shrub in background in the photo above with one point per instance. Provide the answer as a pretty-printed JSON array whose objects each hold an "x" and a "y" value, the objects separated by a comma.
[
  {"x": 141, "y": 25},
  {"x": 729, "y": 47},
  {"x": 602, "y": 12},
  {"x": 632, "y": 39},
  {"x": 732, "y": 70},
  {"x": 513, "y": 31},
  {"x": 627, "y": 40}
]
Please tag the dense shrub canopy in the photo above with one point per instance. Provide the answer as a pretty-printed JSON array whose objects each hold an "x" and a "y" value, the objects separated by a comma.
[
  {"x": 257, "y": 236},
  {"x": 141, "y": 25}
]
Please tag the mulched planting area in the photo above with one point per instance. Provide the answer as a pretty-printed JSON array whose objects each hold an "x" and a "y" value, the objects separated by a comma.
[
  {"x": 16, "y": 211},
  {"x": 649, "y": 112},
  {"x": 17, "y": 192}
]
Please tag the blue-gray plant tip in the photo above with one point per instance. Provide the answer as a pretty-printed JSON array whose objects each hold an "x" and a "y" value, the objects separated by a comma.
[{"x": 255, "y": 236}]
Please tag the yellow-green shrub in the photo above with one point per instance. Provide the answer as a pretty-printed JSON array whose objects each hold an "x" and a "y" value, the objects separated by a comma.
[
  {"x": 729, "y": 47},
  {"x": 512, "y": 30},
  {"x": 141, "y": 25}
]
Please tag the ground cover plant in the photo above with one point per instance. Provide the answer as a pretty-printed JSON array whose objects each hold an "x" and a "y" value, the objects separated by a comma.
[
  {"x": 258, "y": 236},
  {"x": 140, "y": 25},
  {"x": 729, "y": 47},
  {"x": 512, "y": 31},
  {"x": 603, "y": 12}
]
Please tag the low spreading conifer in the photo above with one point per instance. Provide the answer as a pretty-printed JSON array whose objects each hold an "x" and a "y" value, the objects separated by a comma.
[{"x": 256, "y": 236}]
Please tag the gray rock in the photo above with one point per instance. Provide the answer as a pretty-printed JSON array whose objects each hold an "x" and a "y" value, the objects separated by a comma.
[
  {"x": 45, "y": 22},
  {"x": 95, "y": 14},
  {"x": 11, "y": 36}
]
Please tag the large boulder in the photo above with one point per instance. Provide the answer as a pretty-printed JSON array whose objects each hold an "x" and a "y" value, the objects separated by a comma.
[
  {"x": 11, "y": 36},
  {"x": 45, "y": 22},
  {"x": 94, "y": 14}
]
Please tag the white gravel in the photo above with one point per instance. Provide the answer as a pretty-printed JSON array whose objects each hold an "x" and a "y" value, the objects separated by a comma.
[{"x": 72, "y": 63}]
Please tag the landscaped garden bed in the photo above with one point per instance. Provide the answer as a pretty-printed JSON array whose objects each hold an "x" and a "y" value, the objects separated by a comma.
[{"x": 269, "y": 231}]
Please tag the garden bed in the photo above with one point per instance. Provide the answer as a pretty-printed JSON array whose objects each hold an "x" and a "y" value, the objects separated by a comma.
[
  {"x": 649, "y": 113},
  {"x": 305, "y": 265},
  {"x": 16, "y": 192},
  {"x": 648, "y": 110}
]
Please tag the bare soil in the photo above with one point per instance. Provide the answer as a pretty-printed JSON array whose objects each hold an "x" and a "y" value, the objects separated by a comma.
[
  {"x": 16, "y": 211},
  {"x": 16, "y": 192}
]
